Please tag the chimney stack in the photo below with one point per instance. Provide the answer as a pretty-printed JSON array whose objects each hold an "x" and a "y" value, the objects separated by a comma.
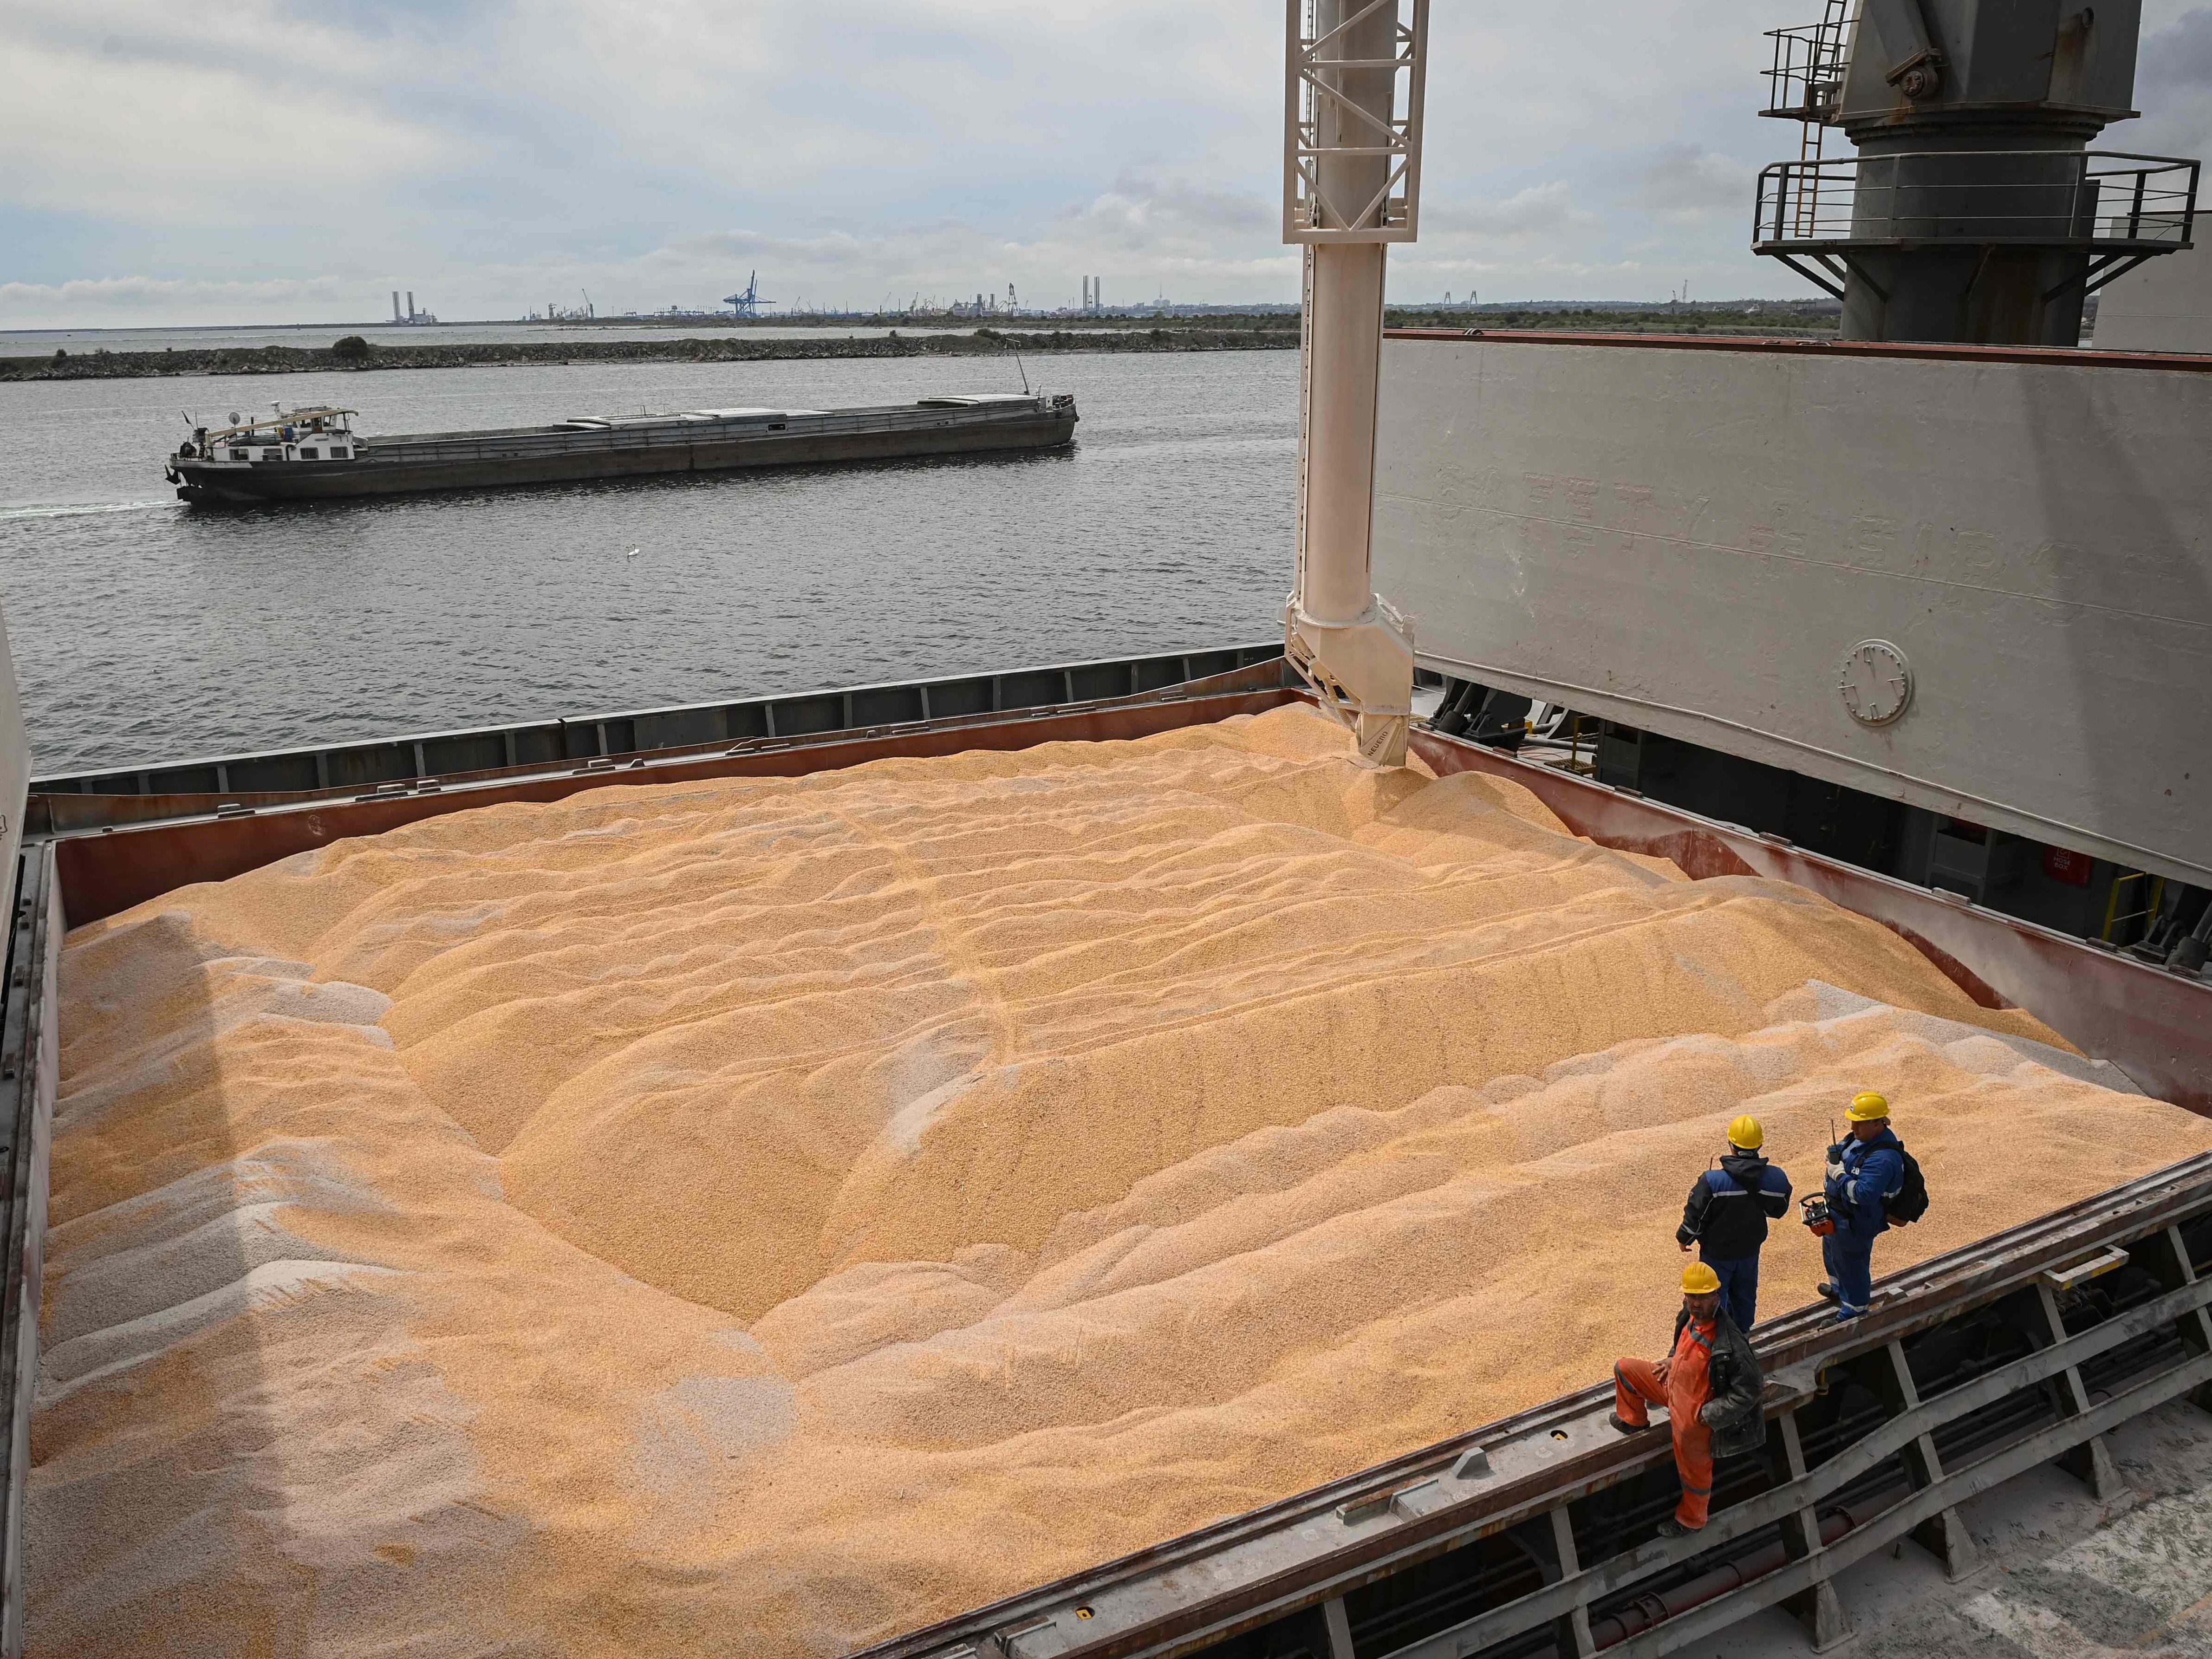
[
  {"x": 395, "y": 305},
  {"x": 411, "y": 304}
]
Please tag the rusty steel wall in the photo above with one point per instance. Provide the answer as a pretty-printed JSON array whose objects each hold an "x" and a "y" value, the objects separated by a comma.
[
  {"x": 181, "y": 787},
  {"x": 2156, "y": 1026},
  {"x": 105, "y": 869}
]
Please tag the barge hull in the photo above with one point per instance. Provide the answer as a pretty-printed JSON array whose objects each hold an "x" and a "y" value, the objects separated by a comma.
[{"x": 237, "y": 483}]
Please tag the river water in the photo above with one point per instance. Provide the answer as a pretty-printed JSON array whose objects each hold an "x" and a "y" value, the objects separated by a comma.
[{"x": 144, "y": 629}]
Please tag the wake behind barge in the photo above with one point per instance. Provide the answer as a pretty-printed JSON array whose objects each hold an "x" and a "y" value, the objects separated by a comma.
[{"x": 314, "y": 454}]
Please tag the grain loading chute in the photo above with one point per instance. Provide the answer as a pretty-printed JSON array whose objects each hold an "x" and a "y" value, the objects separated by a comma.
[{"x": 1350, "y": 187}]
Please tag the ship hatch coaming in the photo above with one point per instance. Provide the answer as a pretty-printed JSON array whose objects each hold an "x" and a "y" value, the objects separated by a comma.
[{"x": 635, "y": 1121}]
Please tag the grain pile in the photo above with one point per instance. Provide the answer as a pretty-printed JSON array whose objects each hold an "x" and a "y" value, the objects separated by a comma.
[{"x": 765, "y": 1216}]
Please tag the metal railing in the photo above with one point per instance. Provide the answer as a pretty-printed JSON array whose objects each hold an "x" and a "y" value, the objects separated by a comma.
[
  {"x": 177, "y": 785},
  {"x": 1975, "y": 1367},
  {"x": 2098, "y": 201},
  {"x": 1805, "y": 81},
  {"x": 1321, "y": 123}
]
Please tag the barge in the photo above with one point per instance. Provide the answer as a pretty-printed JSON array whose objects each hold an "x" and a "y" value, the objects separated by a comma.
[{"x": 315, "y": 454}]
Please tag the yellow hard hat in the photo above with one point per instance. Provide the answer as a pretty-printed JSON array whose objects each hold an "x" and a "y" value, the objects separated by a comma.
[
  {"x": 1744, "y": 1135},
  {"x": 1868, "y": 1108},
  {"x": 1698, "y": 1279}
]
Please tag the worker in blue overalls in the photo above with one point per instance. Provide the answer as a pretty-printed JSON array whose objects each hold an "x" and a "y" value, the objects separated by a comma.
[
  {"x": 1725, "y": 1220},
  {"x": 1865, "y": 1171}
]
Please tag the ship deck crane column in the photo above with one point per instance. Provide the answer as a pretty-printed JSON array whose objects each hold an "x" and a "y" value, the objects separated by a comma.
[
  {"x": 1350, "y": 187},
  {"x": 1972, "y": 210}
]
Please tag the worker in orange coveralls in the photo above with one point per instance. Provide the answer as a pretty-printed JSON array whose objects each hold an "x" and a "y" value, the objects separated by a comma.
[{"x": 1711, "y": 1387}]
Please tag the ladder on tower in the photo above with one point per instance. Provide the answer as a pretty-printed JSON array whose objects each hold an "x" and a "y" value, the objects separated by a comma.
[
  {"x": 1810, "y": 65},
  {"x": 1828, "y": 58}
]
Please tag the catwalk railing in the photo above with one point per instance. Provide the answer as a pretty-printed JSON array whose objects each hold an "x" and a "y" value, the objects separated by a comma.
[
  {"x": 2102, "y": 203},
  {"x": 1539, "y": 1532},
  {"x": 98, "y": 798},
  {"x": 1806, "y": 77}
]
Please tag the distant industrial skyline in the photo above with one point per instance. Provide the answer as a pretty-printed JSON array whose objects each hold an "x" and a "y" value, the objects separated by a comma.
[{"x": 166, "y": 167}]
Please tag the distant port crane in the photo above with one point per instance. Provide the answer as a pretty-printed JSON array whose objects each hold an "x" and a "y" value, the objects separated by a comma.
[{"x": 748, "y": 304}]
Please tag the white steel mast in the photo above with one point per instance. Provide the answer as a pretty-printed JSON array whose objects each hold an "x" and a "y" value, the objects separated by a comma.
[{"x": 1351, "y": 170}]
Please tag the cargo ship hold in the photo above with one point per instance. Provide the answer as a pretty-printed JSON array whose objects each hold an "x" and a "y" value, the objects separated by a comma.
[
  {"x": 314, "y": 454},
  {"x": 1156, "y": 1157}
]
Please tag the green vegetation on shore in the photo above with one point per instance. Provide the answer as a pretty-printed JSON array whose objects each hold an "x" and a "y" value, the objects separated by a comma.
[
  {"x": 1774, "y": 319},
  {"x": 292, "y": 360},
  {"x": 1261, "y": 331}
]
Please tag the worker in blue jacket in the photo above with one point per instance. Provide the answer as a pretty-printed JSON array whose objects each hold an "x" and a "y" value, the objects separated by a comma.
[
  {"x": 1864, "y": 1173},
  {"x": 1725, "y": 1220}
]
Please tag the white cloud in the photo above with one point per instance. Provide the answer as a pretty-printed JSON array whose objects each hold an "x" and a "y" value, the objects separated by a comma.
[
  {"x": 1157, "y": 208},
  {"x": 2173, "y": 85},
  {"x": 777, "y": 94},
  {"x": 492, "y": 156},
  {"x": 139, "y": 122},
  {"x": 1540, "y": 210},
  {"x": 1687, "y": 183},
  {"x": 1151, "y": 230},
  {"x": 122, "y": 301}
]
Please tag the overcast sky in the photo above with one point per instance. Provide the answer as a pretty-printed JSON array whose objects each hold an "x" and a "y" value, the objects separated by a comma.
[{"x": 255, "y": 162}]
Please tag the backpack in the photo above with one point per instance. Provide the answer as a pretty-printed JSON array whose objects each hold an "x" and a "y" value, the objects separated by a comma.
[{"x": 1909, "y": 1201}]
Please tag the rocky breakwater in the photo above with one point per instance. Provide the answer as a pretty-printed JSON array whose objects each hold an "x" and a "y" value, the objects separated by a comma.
[{"x": 353, "y": 352}]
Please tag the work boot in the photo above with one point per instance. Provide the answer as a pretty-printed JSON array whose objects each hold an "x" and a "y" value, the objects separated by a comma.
[
  {"x": 1670, "y": 1527},
  {"x": 1624, "y": 1424},
  {"x": 1827, "y": 1291}
]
